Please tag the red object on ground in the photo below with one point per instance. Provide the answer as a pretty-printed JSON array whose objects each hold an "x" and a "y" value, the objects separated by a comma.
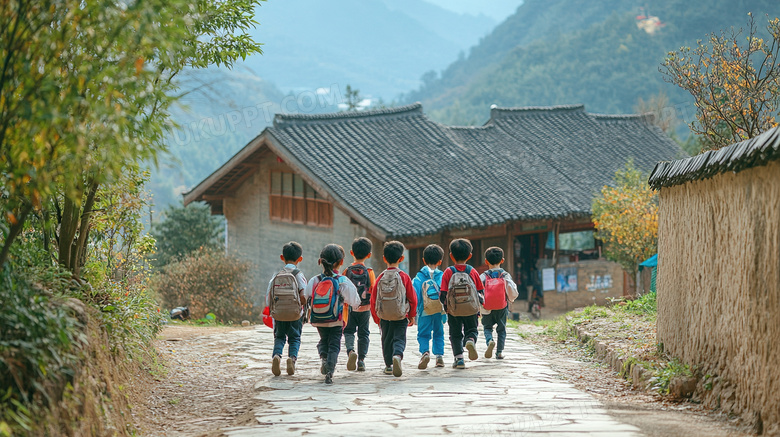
[{"x": 267, "y": 319}]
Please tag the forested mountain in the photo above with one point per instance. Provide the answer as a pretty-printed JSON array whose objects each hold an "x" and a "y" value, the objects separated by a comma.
[
  {"x": 579, "y": 51},
  {"x": 381, "y": 47}
]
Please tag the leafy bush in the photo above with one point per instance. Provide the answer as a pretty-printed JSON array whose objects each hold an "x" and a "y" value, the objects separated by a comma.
[
  {"x": 39, "y": 344},
  {"x": 207, "y": 281}
]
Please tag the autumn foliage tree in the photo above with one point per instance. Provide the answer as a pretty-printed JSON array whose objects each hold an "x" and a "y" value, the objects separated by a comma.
[
  {"x": 734, "y": 80},
  {"x": 626, "y": 219}
]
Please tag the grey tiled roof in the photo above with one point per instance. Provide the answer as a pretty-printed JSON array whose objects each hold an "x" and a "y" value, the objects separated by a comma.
[
  {"x": 411, "y": 176},
  {"x": 746, "y": 154}
]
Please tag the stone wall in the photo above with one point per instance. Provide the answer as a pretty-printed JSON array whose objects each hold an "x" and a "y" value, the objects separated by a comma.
[
  {"x": 719, "y": 288},
  {"x": 254, "y": 237},
  {"x": 589, "y": 291}
]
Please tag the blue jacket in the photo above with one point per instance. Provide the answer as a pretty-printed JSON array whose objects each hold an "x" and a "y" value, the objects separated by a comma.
[{"x": 423, "y": 275}]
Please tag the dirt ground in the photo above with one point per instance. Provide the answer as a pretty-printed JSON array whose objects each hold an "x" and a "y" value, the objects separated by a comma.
[
  {"x": 200, "y": 389},
  {"x": 654, "y": 414},
  {"x": 204, "y": 388}
]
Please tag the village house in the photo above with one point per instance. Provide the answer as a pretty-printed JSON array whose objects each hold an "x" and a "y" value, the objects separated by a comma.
[
  {"x": 719, "y": 274},
  {"x": 523, "y": 181}
]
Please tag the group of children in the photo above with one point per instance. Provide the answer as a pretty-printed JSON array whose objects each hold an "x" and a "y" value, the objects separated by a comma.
[{"x": 341, "y": 303}]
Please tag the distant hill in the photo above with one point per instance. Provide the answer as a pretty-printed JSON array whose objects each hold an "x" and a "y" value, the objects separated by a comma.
[
  {"x": 578, "y": 51},
  {"x": 220, "y": 113},
  {"x": 381, "y": 47}
]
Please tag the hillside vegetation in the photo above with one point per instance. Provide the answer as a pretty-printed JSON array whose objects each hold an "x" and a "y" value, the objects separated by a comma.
[{"x": 578, "y": 51}]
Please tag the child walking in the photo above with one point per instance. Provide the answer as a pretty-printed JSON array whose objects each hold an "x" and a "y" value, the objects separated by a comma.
[
  {"x": 327, "y": 291},
  {"x": 500, "y": 291},
  {"x": 363, "y": 279},
  {"x": 286, "y": 302},
  {"x": 461, "y": 295},
  {"x": 393, "y": 307},
  {"x": 430, "y": 312}
]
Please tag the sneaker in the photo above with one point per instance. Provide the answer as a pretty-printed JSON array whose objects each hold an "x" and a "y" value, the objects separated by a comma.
[
  {"x": 499, "y": 355},
  {"x": 361, "y": 366},
  {"x": 439, "y": 361},
  {"x": 291, "y": 365},
  {"x": 329, "y": 378},
  {"x": 459, "y": 364},
  {"x": 323, "y": 366},
  {"x": 388, "y": 370},
  {"x": 397, "y": 366},
  {"x": 424, "y": 361},
  {"x": 352, "y": 360},
  {"x": 276, "y": 365},
  {"x": 489, "y": 351},
  {"x": 472, "y": 350}
]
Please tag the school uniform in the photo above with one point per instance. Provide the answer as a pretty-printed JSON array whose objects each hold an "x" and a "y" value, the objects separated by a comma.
[
  {"x": 394, "y": 331},
  {"x": 462, "y": 328},
  {"x": 287, "y": 332},
  {"x": 498, "y": 317}
]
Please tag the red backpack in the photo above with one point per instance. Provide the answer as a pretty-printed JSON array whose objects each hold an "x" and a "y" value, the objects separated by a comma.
[{"x": 495, "y": 290}]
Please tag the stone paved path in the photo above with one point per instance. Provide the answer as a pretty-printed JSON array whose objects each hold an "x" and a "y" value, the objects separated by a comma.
[{"x": 520, "y": 395}]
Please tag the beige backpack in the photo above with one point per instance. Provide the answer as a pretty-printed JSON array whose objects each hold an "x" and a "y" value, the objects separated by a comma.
[
  {"x": 462, "y": 297},
  {"x": 391, "y": 301},
  {"x": 284, "y": 302}
]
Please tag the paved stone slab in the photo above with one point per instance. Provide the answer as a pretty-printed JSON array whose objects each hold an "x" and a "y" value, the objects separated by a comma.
[{"x": 520, "y": 395}]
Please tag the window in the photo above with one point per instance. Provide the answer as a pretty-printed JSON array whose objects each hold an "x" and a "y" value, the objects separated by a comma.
[
  {"x": 576, "y": 241},
  {"x": 294, "y": 201}
]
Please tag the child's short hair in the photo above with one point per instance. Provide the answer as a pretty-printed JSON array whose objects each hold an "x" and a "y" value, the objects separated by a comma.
[
  {"x": 433, "y": 254},
  {"x": 460, "y": 248},
  {"x": 292, "y": 251},
  {"x": 361, "y": 247},
  {"x": 494, "y": 255},
  {"x": 393, "y": 251}
]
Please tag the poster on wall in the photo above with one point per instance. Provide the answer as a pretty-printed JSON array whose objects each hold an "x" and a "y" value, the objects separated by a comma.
[
  {"x": 548, "y": 279},
  {"x": 567, "y": 279}
]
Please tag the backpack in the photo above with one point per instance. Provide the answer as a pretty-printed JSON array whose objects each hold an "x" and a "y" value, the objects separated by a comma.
[
  {"x": 391, "y": 301},
  {"x": 325, "y": 302},
  {"x": 462, "y": 297},
  {"x": 430, "y": 296},
  {"x": 284, "y": 302},
  {"x": 495, "y": 290},
  {"x": 358, "y": 274}
]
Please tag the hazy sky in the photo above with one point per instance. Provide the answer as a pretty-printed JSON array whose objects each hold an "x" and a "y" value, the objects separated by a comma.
[{"x": 496, "y": 9}]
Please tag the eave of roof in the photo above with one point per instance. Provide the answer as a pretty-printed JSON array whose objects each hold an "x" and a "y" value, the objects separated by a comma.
[{"x": 736, "y": 157}]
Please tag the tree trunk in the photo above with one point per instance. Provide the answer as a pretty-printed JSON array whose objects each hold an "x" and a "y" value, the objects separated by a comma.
[
  {"x": 86, "y": 217},
  {"x": 68, "y": 226},
  {"x": 13, "y": 232}
]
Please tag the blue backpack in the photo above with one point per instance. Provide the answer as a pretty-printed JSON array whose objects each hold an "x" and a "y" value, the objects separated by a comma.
[{"x": 325, "y": 306}]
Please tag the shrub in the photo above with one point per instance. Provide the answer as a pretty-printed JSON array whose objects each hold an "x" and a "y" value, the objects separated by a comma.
[
  {"x": 207, "y": 282},
  {"x": 39, "y": 351}
]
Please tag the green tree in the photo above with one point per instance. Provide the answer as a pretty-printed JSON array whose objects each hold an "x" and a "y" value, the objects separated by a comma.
[
  {"x": 85, "y": 89},
  {"x": 626, "y": 219},
  {"x": 185, "y": 230},
  {"x": 352, "y": 99},
  {"x": 736, "y": 86}
]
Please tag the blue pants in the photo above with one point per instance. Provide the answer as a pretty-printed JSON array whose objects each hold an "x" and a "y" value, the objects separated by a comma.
[
  {"x": 287, "y": 332},
  {"x": 431, "y": 326},
  {"x": 498, "y": 318}
]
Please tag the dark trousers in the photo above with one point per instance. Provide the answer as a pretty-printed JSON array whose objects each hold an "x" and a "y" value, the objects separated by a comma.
[
  {"x": 498, "y": 318},
  {"x": 393, "y": 339},
  {"x": 462, "y": 329},
  {"x": 329, "y": 346},
  {"x": 290, "y": 333},
  {"x": 358, "y": 321}
]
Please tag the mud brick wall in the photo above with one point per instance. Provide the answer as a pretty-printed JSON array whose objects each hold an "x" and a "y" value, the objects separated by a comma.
[
  {"x": 561, "y": 302},
  {"x": 719, "y": 287}
]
